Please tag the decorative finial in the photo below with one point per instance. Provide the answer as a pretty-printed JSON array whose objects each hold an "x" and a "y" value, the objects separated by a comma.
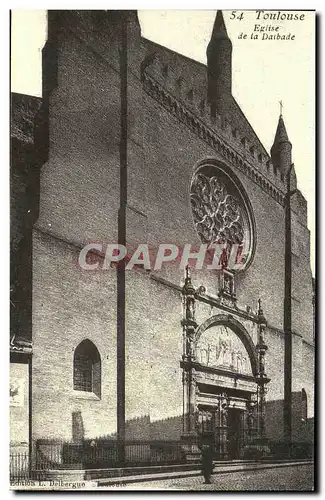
[
  {"x": 188, "y": 288},
  {"x": 260, "y": 313},
  {"x": 281, "y": 107}
]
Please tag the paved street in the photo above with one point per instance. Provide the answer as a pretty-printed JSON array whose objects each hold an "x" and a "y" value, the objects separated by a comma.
[{"x": 297, "y": 478}]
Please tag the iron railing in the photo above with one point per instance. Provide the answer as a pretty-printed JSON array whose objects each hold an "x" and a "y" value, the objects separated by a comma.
[
  {"x": 19, "y": 466},
  {"x": 55, "y": 454}
]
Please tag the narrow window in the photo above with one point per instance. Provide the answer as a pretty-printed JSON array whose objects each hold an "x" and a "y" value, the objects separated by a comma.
[{"x": 87, "y": 368}]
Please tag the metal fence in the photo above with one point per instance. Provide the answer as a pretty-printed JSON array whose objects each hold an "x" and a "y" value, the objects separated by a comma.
[
  {"x": 100, "y": 454},
  {"x": 19, "y": 466},
  {"x": 50, "y": 454}
]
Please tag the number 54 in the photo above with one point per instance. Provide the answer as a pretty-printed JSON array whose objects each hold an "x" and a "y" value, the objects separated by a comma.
[{"x": 234, "y": 15}]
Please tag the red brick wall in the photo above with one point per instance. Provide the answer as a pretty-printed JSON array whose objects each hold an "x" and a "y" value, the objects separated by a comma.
[
  {"x": 79, "y": 202},
  {"x": 70, "y": 305}
]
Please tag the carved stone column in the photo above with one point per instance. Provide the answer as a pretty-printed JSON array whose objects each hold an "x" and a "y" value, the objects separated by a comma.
[
  {"x": 186, "y": 401},
  {"x": 252, "y": 407},
  {"x": 262, "y": 378},
  {"x": 223, "y": 430},
  {"x": 189, "y": 327},
  {"x": 250, "y": 417},
  {"x": 192, "y": 400}
]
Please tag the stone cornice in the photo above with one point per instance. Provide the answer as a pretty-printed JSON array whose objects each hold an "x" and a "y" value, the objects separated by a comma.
[
  {"x": 218, "y": 371},
  {"x": 210, "y": 136}
]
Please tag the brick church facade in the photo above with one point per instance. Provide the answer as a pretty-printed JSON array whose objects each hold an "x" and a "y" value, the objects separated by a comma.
[{"x": 134, "y": 143}]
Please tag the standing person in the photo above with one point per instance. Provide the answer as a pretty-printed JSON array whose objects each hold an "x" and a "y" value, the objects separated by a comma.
[{"x": 207, "y": 459}]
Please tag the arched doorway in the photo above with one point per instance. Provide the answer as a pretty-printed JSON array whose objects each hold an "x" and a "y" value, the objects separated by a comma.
[{"x": 224, "y": 371}]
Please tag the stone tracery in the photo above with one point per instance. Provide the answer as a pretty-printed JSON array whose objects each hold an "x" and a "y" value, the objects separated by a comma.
[
  {"x": 217, "y": 213},
  {"x": 220, "y": 214}
]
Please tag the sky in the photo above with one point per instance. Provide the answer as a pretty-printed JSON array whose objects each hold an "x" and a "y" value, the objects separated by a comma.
[{"x": 264, "y": 72}]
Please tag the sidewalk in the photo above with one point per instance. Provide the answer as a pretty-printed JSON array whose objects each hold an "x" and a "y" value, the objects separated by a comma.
[
  {"x": 218, "y": 469},
  {"x": 226, "y": 477},
  {"x": 277, "y": 479}
]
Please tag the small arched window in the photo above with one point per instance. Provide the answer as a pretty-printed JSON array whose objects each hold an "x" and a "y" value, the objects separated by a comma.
[
  {"x": 87, "y": 368},
  {"x": 303, "y": 405}
]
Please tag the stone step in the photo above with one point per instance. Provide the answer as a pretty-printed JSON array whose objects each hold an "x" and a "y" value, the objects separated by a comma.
[{"x": 130, "y": 471}]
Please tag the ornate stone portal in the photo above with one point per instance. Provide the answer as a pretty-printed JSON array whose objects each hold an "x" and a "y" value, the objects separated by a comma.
[{"x": 223, "y": 379}]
